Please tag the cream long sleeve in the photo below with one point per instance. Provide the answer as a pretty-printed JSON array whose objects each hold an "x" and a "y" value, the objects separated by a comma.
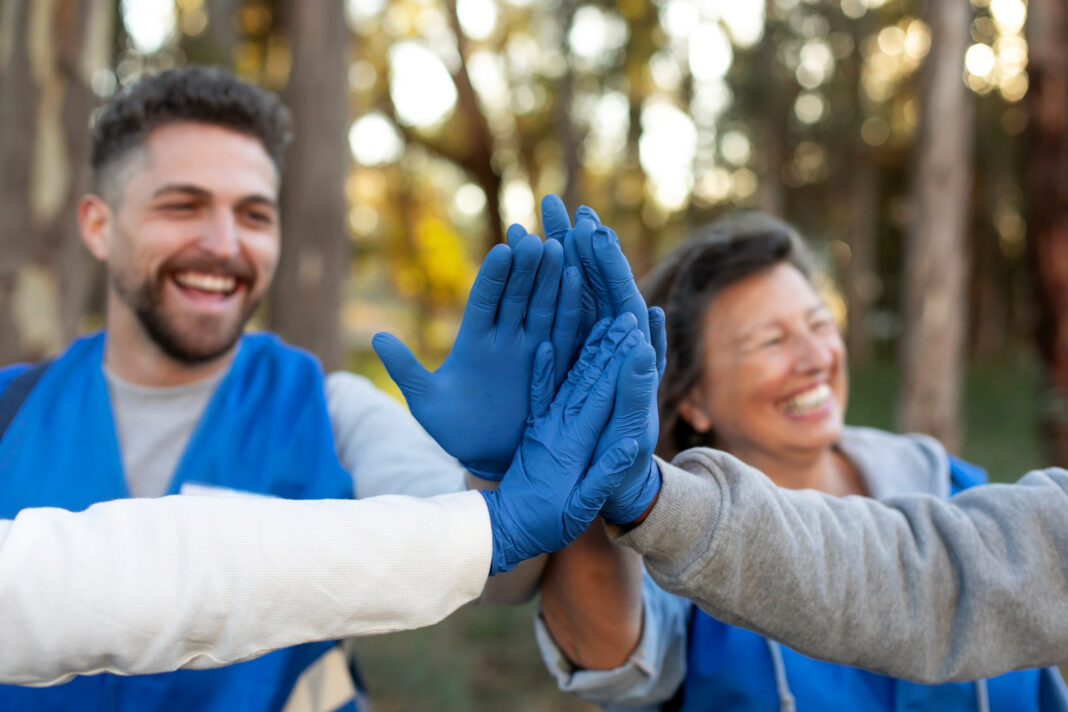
[{"x": 149, "y": 585}]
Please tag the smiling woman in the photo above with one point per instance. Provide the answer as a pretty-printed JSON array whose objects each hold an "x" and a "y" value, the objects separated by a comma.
[
  {"x": 755, "y": 367},
  {"x": 756, "y": 364}
]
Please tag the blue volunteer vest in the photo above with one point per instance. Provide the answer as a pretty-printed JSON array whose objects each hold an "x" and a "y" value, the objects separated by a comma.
[
  {"x": 266, "y": 429},
  {"x": 731, "y": 668}
]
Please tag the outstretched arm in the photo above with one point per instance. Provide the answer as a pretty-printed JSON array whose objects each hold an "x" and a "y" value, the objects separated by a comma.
[
  {"x": 914, "y": 587},
  {"x": 149, "y": 585}
]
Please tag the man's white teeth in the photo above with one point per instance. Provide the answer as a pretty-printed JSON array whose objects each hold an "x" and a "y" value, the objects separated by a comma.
[
  {"x": 204, "y": 282},
  {"x": 810, "y": 400}
]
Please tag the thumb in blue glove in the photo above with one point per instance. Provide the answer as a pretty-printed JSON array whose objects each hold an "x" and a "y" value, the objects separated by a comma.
[
  {"x": 550, "y": 493},
  {"x": 635, "y": 415}
]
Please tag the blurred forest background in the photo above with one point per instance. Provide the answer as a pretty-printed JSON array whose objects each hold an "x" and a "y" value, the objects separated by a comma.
[{"x": 921, "y": 147}]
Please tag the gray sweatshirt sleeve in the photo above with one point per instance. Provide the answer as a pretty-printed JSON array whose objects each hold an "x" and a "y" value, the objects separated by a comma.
[{"x": 914, "y": 587}]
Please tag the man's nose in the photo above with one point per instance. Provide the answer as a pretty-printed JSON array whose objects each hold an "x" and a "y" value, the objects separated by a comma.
[{"x": 220, "y": 236}]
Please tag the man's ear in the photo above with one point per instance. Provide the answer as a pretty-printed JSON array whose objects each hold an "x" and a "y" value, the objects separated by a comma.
[
  {"x": 693, "y": 412},
  {"x": 94, "y": 222}
]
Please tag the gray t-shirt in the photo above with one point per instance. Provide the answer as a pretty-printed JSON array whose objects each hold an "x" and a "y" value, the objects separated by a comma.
[
  {"x": 378, "y": 442},
  {"x": 153, "y": 425}
]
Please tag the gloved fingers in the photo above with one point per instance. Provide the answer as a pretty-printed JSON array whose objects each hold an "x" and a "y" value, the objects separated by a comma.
[
  {"x": 542, "y": 381},
  {"x": 636, "y": 395},
  {"x": 636, "y": 492},
  {"x": 486, "y": 292},
  {"x": 402, "y": 365},
  {"x": 514, "y": 234},
  {"x": 596, "y": 362},
  {"x": 601, "y": 395},
  {"x": 585, "y": 212},
  {"x": 543, "y": 301},
  {"x": 567, "y": 321},
  {"x": 616, "y": 278},
  {"x": 583, "y": 237},
  {"x": 586, "y": 357},
  {"x": 525, "y": 259},
  {"x": 600, "y": 481},
  {"x": 658, "y": 338},
  {"x": 554, "y": 218}
]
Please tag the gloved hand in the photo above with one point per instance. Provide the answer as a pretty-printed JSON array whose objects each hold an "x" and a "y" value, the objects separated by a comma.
[
  {"x": 616, "y": 287},
  {"x": 609, "y": 288},
  {"x": 550, "y": 494},
  {"x": 476, "y": 404},
  {"x": 557, "y": 227}
]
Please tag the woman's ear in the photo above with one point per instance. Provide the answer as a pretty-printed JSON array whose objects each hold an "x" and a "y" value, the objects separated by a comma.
[{"x": 692, "y": 410}]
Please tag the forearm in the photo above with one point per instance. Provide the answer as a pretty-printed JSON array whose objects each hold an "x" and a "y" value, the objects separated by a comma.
[
  {"x": 591, "y": 600},
  {"x": 143, "y": 586},
  {"x": 914, "y": 587}
]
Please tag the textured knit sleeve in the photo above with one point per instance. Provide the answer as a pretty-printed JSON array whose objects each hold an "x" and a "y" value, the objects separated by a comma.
[
  {"x": 914, "y": 587},
  {"x": 149, "y": 585}
]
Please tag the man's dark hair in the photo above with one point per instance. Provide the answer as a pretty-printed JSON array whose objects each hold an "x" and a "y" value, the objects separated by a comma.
[
  {"x": 204, "y": 94},
  {"x": 687, "y": 281}
]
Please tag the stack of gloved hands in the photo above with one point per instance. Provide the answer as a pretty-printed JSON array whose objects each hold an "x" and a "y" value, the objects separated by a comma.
[{"x": 550, "y": 387}]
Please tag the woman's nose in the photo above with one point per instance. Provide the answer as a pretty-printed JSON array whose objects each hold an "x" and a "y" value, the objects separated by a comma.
[{"x": 815, "y": 353}]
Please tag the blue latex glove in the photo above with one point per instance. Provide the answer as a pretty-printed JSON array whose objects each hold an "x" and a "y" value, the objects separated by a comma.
[
  {"x": 550, "y": 494},
  {"x": 568, "y": 321},
  {"x": 557, "y": 227},
  {"x": 609, "y": 288},
  {"x": 475, "y": 405},
  {"x": 616, "y": 287}
]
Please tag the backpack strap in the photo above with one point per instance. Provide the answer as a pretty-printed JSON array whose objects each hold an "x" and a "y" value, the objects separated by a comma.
[{"x": 12, "y": 397}]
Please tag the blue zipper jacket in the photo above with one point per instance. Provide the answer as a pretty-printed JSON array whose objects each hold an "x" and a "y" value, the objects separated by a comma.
[{"x": 265, "y": 430}]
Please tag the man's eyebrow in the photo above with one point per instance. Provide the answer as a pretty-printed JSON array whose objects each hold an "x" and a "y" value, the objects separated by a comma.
[
  {"x": 186, "y": 188},
  {"x": 258, "y": 199},
  {"x": 198, "y": 192}
]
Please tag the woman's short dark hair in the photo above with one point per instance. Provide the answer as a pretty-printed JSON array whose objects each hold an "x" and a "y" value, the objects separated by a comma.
[
  {"x": 203, "y": 94},
  {"x": 686, "y": 282}
]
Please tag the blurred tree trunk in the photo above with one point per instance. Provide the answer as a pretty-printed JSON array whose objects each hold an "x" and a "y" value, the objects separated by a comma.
[
  {"x": 569, "y": 133},
  {"x": 861, "y": 280},
  {"x": 936, "y": 258},
  {"x": 481, "y": 141},
  {"x": 862, "y": 183},
  {"x": 218, "y": 41},
  {"x": 50, "y": 50},
  {"x": 774, "y": 124},
  {"x": 1047, "y": 204},
  {"x": 631, "y": 192},
  {"x": 306, "y": 300}
]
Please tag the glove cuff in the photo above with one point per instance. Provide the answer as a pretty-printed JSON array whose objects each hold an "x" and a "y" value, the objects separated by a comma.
[
  {"x": 623, "y": 513},
  {"x": 483, "y": 473},
  {"x": 499, "y": 560}
]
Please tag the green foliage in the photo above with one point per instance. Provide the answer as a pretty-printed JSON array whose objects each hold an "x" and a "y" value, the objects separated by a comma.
[{"x": 1001, "y": 416}]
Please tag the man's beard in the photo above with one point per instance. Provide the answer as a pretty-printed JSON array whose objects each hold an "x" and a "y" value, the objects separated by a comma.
[{"x": 194, "y": 342}]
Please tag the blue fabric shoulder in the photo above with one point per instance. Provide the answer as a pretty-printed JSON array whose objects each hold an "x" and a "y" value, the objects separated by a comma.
[
  {"x": 963, "y": 475},
  {"x": 8, "y": 373}
]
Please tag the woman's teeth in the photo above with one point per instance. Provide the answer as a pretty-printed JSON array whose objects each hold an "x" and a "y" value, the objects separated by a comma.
[
  {"x": 808, "y": 401},
  {"x": 204, "y": 282}
]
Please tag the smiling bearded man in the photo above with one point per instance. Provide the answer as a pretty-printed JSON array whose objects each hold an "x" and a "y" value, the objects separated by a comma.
[{"x": 173, "y": 397}]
